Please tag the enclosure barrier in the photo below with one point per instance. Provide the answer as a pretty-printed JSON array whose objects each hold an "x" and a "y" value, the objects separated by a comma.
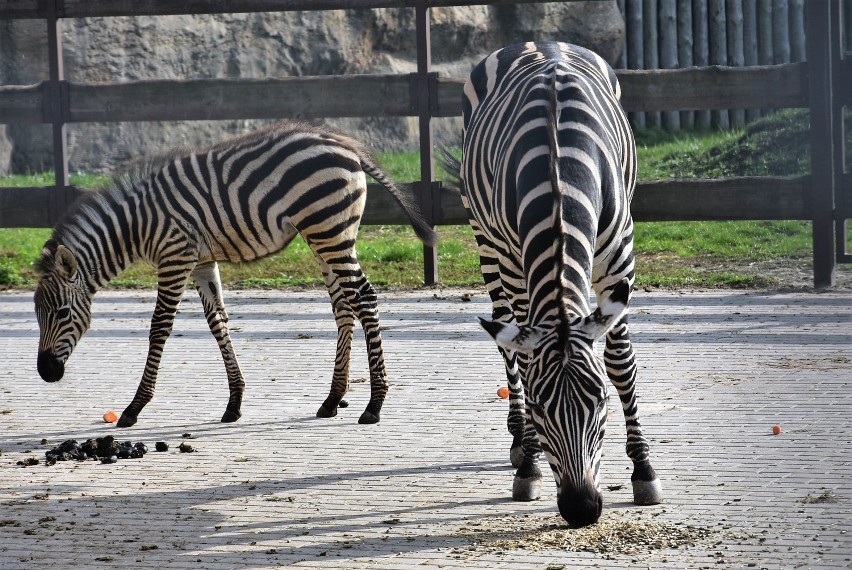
[{"x": 823, "y": 85}]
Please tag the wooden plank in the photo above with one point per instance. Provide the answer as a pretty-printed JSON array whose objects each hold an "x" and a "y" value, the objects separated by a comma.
[
  {"x": 210, "y": 99},
  {"x": 783, "y": 86},
  {"x": 748, "y": 198},
  {"x": 87, "y": 8},
  {"x": 449, "y": 97},
  {"x": 29, "y": 207},
  {"x": 21, "y": 104},
  {"x": 715, "y": 87},
  {"x": 743, "y": 198}
]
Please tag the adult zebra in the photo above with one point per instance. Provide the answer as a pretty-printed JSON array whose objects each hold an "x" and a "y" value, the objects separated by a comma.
[
  {"x": 239, "y": 200},
  {"x": 547, "y": 175}
]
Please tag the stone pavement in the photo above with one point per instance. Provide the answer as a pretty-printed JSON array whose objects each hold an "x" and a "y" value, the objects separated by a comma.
[{"x": 429, "y": 486}]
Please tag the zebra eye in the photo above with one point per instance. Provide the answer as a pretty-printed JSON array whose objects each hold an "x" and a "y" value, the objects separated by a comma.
[{"x": 63, "y": 313}]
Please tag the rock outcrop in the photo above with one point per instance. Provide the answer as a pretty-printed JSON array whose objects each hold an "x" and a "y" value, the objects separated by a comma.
[{"x": 107, "y": 50}]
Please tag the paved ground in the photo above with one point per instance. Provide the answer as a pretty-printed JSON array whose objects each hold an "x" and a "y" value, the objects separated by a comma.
[{"x": 429, "y": 485}]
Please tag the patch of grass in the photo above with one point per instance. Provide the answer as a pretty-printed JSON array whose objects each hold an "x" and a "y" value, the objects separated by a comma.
[
  {"x": 668, "y": 253},
  {"x": 740, "y": 240}
]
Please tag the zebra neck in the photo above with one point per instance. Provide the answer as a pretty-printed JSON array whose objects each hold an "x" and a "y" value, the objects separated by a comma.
[{"x": 99, "y": 236}]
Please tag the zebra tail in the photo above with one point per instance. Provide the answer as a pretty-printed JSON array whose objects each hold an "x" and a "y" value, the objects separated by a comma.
[
  {"x": 424, "y": 231},
  {"x": 452, "y": 166}
]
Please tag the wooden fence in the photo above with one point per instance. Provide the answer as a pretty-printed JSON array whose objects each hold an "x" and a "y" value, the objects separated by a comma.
[
  {"x": 824, "y": 86},
  {"x": 672, "y": 34}
]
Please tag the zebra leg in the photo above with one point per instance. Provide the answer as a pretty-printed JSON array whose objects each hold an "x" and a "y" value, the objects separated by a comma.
[
  {"x": 516, "y": 420},
  {"x": 170, "y": 287},
  {"x": 621, "y": 368},
  {"x": 526, "y": 448},
  {"x": 363, "y": 301},
  {"x": 527, "y": 483},
  {"x": 209, "y": 287},
  {"x": 345, "y": 319}
]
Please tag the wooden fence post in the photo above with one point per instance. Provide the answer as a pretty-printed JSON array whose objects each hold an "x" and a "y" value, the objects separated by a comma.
[
  {"x": 429, "y": 201},
  {"x": 823, "y": 51},
  {"x": 56, "y": 109}
]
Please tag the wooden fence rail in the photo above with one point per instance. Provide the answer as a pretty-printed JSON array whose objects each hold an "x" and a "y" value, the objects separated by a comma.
[{"x": 823, "y": 196}]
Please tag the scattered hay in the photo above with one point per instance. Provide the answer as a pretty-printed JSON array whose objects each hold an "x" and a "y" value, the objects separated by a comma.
[
  {"x": 610, "y": 535},
  {"x": 824, "y": 497}
]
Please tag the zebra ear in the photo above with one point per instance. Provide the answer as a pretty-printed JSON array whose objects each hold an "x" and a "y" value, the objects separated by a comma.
[
  {"x": 513, "y": 337},
  {"x": 66, "y": 263},
  {"x": 610, "y": 310}
]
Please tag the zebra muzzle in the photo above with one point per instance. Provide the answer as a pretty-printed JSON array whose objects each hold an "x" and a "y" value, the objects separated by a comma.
[
  {"x": 579, "y": 505},
  {"x": 50, "y": 368}
]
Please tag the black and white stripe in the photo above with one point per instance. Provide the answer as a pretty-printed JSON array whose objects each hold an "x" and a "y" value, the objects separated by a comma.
[
  {"x": 239, "y": 200},
  {"x": 548, "y": 171}
]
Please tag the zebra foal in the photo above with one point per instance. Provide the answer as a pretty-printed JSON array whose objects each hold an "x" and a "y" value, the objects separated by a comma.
[
  {"x": 239, "y": 200},
  {"x": 547, "y": 175}
]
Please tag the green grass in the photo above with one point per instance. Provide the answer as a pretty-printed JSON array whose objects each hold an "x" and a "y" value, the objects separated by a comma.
[{"x": 668, "y": 253}]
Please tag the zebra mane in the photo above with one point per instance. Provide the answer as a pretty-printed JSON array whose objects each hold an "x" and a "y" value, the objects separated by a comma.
[
  {"x": 121, "y": 182},
  {"x": 46, "y": 263},
  {"x": 140, "y": 170},
  {"x": 282, "y": 129}
]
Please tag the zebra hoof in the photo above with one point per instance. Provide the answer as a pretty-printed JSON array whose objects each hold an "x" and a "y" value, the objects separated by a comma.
[
  {"x": 526, "y": 488},
  {"x": 647, "y": 492},
  {"x": 343, "y": 404},
  {"x": 324, "y": 412},
  {"x": 125, "y": 421},
  {"x": 368, "y": 418},
  {"x": 230, "y": 416}
]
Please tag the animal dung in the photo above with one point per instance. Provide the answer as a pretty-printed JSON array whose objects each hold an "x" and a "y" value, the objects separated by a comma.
[
  {"x": 104, "y": 449},
  {"x": 161, "y": 446}
]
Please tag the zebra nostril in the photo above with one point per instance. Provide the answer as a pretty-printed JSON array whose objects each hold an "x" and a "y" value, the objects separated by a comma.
[{"x": 50, "y": 368}]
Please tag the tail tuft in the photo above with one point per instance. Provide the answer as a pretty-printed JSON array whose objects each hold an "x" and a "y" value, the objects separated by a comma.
[{"x": 425, "y": 232}]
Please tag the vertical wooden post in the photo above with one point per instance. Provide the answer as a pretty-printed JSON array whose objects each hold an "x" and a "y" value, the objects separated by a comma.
[
  {"x": 651, "y": 44},
  {"x": 621, "y": 60},
  {"x": 668, "y": 32},
  {"x": 821, "y": 52},
  {"x": 428, "y": 190},
  {"x": 684, "y": 53},
  {"x": 716, "y": 37},
  {"x": 736, "y": 50},
  {"x": 635, "y": 47},
  {"x": 750, "y": 39},
  {"x": 701, "y": 55},
  {"x": 57, "y": 93}
]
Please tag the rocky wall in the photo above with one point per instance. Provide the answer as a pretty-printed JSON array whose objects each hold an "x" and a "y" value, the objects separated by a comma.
[{"x": 106, "y": 50}]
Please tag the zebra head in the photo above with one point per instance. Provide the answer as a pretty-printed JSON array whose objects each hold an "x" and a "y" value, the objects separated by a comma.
[
  {"x": 63, "y": 309},
  {"x": 566, "y": 385}
]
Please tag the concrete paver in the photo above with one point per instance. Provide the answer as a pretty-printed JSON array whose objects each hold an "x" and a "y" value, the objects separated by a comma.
[{"x": 431, "y": 482}]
